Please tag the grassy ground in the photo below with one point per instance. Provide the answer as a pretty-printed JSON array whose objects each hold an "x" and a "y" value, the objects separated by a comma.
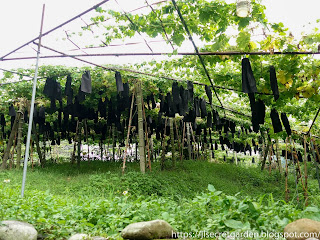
[
  {"x": 187, "y": 179},
  {"x": 63, "y": 199}
]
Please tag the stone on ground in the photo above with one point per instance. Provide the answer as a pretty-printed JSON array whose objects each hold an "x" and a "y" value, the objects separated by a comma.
[
  {"x": 302, "y": 229},
  {"x": 148, "y": 230},
  {"x": 16, "y": 230},
  {"x": 80, "y": 236}
]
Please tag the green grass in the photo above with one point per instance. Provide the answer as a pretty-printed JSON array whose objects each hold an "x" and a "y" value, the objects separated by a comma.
[
  {"x": 186, "y": 180},
  {"x": 62, "y": 199}
]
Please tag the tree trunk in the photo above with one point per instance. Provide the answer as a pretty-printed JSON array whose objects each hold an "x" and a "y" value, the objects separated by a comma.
[{"x": 140, "y": 129}]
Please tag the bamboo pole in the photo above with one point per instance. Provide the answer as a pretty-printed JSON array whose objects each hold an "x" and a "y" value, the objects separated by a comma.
[
  {"x": 270, "y": 158},
  {"x": 36, "y": 139},
  {"x": 178, "y": 136},
  {"x": 74, "y": 144},
  {"x": 265, "y": 154},
  {"x": 286, "y": 174},
  {"x": 195, "y": 142},
  {"x": 171, "y": 120},
  {"x": 10, "y": 141},
  {"x": 140, "y": 129},
  {"x": 146, "y": 135},
  {"x": 163, "y": 145},
  {"x": 20, "y": 133},
  {"x": 31, "y": 154},
  {"x": 314, "y": 160},
  {"x": 305, "y": 171},
  {"x": 278, "y": 156},
  {"x": 188, "y": 140},
  {"x": 121, "y": 54},
  {"x": 128, "y": 135},
  {"x": 299, "y": 174},
  {"x": 182, "y": 141},
  {"x": 79, "y": 143}
]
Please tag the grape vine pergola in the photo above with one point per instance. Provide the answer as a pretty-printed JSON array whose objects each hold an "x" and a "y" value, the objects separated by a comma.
[{"x": 205, "y": 25}]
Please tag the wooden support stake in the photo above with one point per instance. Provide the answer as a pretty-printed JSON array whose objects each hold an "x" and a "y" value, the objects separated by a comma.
[
  {"x": 36, "y": 139},
  {"x": 178, "y": 136},
  {"x": 140, "y": 129},
  {"x": 74, "y": 145},
  {"x": 182, "y": 141},
  {"x": 265, "y": 154},
  {"x": 194, "y": 139},
  {"x": 286, "y": 174},
  {"x": 10, "y": 141},
  {"x": 173, "y": 151},
  {"x": 188, "y": 140},
  {"x": 278, "y": 156},
  {"x": 79, "y": 143},
  {"x": 146, "y": 134},
  {"x": 128, "y": 135},
  {"x": 315, "y": 161},
  {"x": 305, "y": 171},
  {"x": 21, "y": 106},
  {"x": 163, "y": 154}
]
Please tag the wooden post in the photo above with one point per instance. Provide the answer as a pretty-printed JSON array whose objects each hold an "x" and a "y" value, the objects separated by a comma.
[
  {"x": 10, "y": 141},
  {"x": 128, "y": 135},
  {"x": 147, "y": 135},
  {"x": 195, "y": 142},
  {"x": 178, "y": 136},
  {"x": 36, "y": 139},
  {"x": 79, "y": 143},
  {"x": 305, "y": 171},
  {"x": 182, "y": 141},
  {"x": 113, "y": 143},
  {"x": 74, "y": 145},
  {"x": 163, "y": 154},
  {"x": 314, "y": 160},
  {"x": 278, "y": 156},
  {"x": 31, "y": 153},
  {"x": 299, "y": 174},
  {"x": 140, "y": 129},
  {"x": 171, "y": 120},
  {"x": 286, "y": 174},
  {"x": 265, "y": 154},
  {"x": 20, "y": 133},
  {"x": 188, "y": 140}
]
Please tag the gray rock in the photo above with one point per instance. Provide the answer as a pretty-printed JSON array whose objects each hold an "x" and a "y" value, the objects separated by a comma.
[
  {"x": 83, "y": 236},
  {"x": 16, "y": 230},
  {"x": 302, "y": 229},
  {"x": 80, "y": 236},
  {"x": 148, "y": 230}
]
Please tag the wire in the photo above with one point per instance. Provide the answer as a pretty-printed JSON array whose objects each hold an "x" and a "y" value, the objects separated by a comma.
[{"x": 196, "y": 49}]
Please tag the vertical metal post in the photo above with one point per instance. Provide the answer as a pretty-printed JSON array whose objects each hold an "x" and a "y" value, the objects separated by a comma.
[{"x": 32, "y": 108}]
